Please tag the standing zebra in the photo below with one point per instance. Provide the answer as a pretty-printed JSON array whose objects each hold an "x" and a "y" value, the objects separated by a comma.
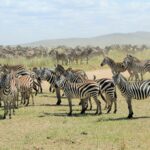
[
  {"x": 79, "y": 90},
  {"x": 7, "y": 93},
  {"x": 50, "y": 77},
  {"x": 137, "y": 90},
  {"x": 117, "y": 67},
  {"x": 107, "y": 86},
  {"x": 136, "y": 66},
  {"x": 25, "y": 86}
]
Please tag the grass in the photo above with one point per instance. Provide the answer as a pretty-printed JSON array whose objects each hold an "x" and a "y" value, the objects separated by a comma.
[
  {"x": 93, "y": 62},
  {"x": 47, "y": 127}
]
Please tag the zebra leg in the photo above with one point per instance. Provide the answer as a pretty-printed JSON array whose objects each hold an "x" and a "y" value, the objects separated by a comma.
[
  {"x": 98, "y": 103},
  {"x": 5, "y": 110},
  {"x": 70, "y": 106},
  {"x": 50, "y": 88},
  {"x": 84, "y": 105},
  {"x": 58, "y": 96},
  {"x": 104, "y": 99},
  {"x": 32, "y": 98},
  {"x": 9, "y": 109},
  {"x": 109, "y": 102},
  {"x": 90, "y": 103},
  {"x": 129, "y": 108}
]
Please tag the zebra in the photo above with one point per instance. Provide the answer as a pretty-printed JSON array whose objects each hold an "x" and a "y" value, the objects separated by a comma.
[
  {"x": 74, "y": 77},
  {"x": 117, "y": 67},
  {"x": 136, "y": 90},
  {"x": 25, "y": 86},
  {"x": 79, "y": 90},
  {"x": 50, "y": 76},
  {"x": 7, "y": 93},
  {"x": 137, "y": 66},
  {"x": 39, "y": 81},
  {"x": 106, "y": 86}
]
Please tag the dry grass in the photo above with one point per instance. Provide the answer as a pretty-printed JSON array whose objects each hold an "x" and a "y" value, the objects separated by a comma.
[{"x": 47, "y": 127}]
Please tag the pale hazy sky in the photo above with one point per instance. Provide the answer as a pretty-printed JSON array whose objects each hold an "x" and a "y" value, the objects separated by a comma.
[{"x": 23, "y": 21}]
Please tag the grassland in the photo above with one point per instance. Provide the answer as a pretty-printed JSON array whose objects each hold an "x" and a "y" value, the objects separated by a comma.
[
  {"x": 93, "y": 62},
  {"x": 47, "y": 127}
]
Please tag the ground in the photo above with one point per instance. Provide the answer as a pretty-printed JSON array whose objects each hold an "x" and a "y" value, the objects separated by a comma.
[{"x": 46, "y": 126}]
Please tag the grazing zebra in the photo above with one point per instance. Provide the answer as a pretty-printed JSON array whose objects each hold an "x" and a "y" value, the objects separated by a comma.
[
  {"x": 79, "y": 90},
  {"x": 7, "y": 93},
  {"x": 136, "y": 66},
  {"x": 50, "y": 77},
  {"x": 118, "y": 67},
  {"x": 137, "y": 90}
]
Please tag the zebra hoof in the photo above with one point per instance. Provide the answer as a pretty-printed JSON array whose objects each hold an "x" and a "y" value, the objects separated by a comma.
[
  {"x": 115, "y": 111},
  {"x": 4, "y": 117},
  {"x": 58, "y": 103},
  {"x": 130, "y": 116},
  {"x": 70, "y": 114},
  {"x": 79, "y": 103},
  {"x": 83, "y": 112}
]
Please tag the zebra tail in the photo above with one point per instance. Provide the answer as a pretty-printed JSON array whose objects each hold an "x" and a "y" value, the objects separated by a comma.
[{"x": 100, "y": 93}]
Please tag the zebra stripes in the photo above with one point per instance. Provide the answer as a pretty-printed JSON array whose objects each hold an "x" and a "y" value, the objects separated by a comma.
[
  {"x": 137, "y": 90},
  {"x": 50, "y": 77},
  {"x": 7, "y": 93},
  {"x": 79, "y": 90},
  {"x": 115, "y": 67},
  {"x": 25, "y": 86},
  {"x": 136, "y": 66},
  {"x": 107, "y": 86}
]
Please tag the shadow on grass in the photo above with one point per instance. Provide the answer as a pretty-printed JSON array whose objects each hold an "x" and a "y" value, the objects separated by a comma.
[
  {"x": 66, "y": 115},
  {"x": 123, "y": 118}
]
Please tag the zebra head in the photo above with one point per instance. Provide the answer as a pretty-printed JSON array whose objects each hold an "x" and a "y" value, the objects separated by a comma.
[
  {"x": 105, "y": 61},
  {"x": 44, "y": 73},
  {"x": 60, "y": 80},
  {"x": 127, "y": 61}
]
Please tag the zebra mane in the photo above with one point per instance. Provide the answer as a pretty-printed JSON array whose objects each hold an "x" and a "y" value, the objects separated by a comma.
[
  {"x": 110, "y": 59},
  {"x": 123, "y": 77}
]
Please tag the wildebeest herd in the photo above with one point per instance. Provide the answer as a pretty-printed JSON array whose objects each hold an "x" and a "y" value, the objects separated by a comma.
[{"x": 17, "y": 85}]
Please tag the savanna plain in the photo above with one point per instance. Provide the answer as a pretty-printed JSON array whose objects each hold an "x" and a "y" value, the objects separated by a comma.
[{"x": 46, "y": 126}]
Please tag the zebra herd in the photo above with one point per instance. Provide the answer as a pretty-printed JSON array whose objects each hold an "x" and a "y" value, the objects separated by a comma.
[{"x": 17, "y": 81}]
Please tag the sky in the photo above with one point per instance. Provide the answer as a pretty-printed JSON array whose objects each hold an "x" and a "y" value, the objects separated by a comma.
[{"x": 23, "y": 21}]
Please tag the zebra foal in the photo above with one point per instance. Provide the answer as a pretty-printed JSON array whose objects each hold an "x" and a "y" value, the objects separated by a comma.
[{"x": 137, "y": 90}]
